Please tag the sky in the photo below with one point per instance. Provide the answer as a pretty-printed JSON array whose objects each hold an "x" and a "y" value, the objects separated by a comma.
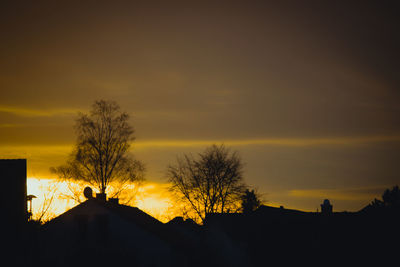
[{"x": 306, "y": 91}]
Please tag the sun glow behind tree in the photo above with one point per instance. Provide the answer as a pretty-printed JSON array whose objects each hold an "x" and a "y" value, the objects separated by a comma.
[
  {"x": 100, "y": 157},
  {"x": 150, "y": 197}
]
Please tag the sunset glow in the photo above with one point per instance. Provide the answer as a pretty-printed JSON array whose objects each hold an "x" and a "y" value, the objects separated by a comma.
[
  {"x": 306, "y": 94},
  {"x": 345, "y": 141},
  {"x": 151, "y": 198},
  {"x": 210, "y": 133}
]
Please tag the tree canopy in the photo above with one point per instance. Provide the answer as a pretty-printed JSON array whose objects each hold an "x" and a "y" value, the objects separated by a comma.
[
  {"x": 210, "y": 183},
  {"x": 101, "y": 155},
  {"x": 390, "y": 200},
  {"x": 250, "y": 201}
]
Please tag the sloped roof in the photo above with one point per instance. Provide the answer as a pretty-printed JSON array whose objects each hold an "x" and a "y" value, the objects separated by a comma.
[{"x": 130, "y": 214}]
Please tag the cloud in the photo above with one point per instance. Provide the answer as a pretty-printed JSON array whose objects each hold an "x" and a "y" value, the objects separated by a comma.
[
  {"x": 10, "y": 125},
  {"x": 348, "y": 194},
  {"x": 345, "y": 141},
  {"x": 40, "y": 158},
  {"x": 26, "y": 112}
]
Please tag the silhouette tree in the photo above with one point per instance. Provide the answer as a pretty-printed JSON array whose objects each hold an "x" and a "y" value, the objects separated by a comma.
[
  {"x": 45, "y": 211},
  {"x": 391, "y": 198},
  {"x": 250, "y": 201},
  {"x": 100, "y": 156},
  {"x": 211, "y": 183},
  {"x": 376, "y": 203}
]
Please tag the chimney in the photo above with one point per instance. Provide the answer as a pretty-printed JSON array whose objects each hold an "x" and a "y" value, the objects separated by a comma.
[
  {"x": 326, "y": 207},
  {"x": 113, "y": 200},
  {"x": 101, "y": 197}
]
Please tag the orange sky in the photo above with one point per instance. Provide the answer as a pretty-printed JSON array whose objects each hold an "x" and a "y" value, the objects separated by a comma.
[
  {"x": 151, "y": 197},
  {"x": 307, "y": 93}
]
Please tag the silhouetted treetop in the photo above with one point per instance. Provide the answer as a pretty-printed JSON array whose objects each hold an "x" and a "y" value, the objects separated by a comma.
[
  {"x": 212, "y": 182},
  {"x": 391, "y": 197},
  {"x": 250, "y": 201},
  {"x": 390, "y": 200},
  {"x": 101, "y": 156}
]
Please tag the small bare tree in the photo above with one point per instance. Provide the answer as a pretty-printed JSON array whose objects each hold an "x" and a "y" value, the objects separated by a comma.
[
  {"x": 210, "y": 184},
  {"x": 101, "y": 156},
  {"x": 45, "y": 211}
]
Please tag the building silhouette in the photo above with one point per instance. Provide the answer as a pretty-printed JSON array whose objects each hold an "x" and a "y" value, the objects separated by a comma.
[
  {"x": 103, "y": 232},
  {"x": 13, "y": 198},
  {"x": 13, "y": 223}
]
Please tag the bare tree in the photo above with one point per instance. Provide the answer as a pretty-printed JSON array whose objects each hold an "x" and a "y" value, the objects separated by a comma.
[
  {"x": 45, "y": 211},
  {"x": 101, "y": 156},
  {"x": 210, "y": 184}
]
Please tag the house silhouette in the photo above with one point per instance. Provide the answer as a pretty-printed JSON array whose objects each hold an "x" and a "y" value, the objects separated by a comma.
[
  {"x": 104, "y": 232},
  {"x": 285, "y": 237}
]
